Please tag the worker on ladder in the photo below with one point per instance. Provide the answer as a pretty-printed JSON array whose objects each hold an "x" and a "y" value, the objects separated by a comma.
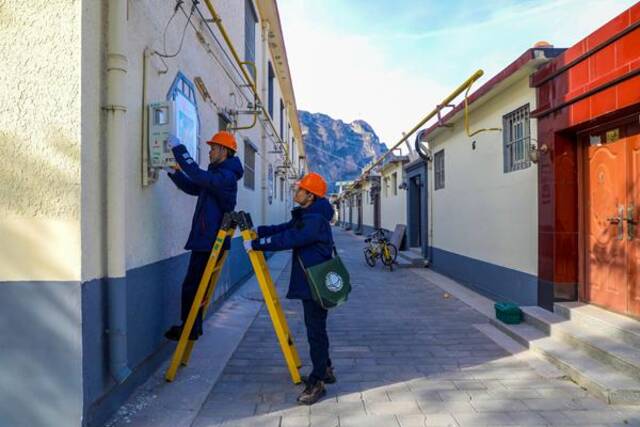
[
  {"x": 308, "y": 233},
  {"x": 217, "y": 190}
]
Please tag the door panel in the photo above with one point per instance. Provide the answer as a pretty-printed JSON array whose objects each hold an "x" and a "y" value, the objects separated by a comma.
[
  {"x": 606, "y": 190},
  {"x": 376, "y": 210},
  {"x": 633, "y": 214},
  {"x": 415, "y": 213}
]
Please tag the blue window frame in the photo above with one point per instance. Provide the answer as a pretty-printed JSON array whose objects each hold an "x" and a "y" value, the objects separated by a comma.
[
  {"x": 184, "y": 89},
  {"x": 181, "y": 84},
  {"x": 281, "y": 119},
  {"x": 250, "y": 21},
  {"x": 270, "y": 92}
]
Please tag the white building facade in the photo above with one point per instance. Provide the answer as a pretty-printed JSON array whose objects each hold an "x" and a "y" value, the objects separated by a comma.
[
  {"x": 482, "y": 189},
  {"x": 84, "y": 211}
]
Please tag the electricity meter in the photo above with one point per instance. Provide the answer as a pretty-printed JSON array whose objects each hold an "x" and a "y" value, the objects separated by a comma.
[
  {"x": 178, "y": 117},
  {"x": 160, "y": 126}
]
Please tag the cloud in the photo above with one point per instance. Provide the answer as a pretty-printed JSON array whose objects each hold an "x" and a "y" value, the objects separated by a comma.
[
  {"x": 392, "y": 78},
  {"x": 349, "y": 77}
]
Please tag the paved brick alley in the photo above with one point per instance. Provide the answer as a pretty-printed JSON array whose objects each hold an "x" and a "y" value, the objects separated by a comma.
[{"x": 404, "y": 356}]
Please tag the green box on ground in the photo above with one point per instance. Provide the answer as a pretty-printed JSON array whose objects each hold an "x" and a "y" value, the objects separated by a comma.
[{"x": 508, "y": 312}]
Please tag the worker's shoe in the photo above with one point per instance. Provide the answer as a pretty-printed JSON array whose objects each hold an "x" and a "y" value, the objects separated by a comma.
[
  {"x": 175, "y": 331},
  {"x": 329, "y": 377},
  {"x": 312, "y": 393}
]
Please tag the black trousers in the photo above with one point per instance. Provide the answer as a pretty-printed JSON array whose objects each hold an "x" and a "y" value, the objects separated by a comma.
[
  {"x": 197, "y": 264},
  {"x": 315, "y": 319}
]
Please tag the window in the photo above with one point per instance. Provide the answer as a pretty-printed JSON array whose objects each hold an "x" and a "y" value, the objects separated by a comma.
[
  {"x": 223, "y": 122},
  {"x": 394, "y": 183},
  {"x": 282, "y": 119},
  {"x": 516, "y": 136},
  {"x": 438, "y": 161},
  {"x": 249, "y": 165},
  {"x": 183, "y": 93},
  {"x": 281, "y": 189},
  {"x": 250, "y": 22},
  {"x": 270, "y": 92}
]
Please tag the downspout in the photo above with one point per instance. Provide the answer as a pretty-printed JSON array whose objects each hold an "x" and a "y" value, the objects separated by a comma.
[
  {"x": 115, "y": 140},
  {"x": 427, "y": 157},
  {"x": 263, "y": 134}
]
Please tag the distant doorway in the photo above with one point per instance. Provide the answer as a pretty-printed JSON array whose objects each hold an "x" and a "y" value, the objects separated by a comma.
[
  {"x": 416, "y": 179},
  {"x": 415, "y": 212},
  {"x": 612, "y": 211},
  {"x": 359, "y": 204},
  {"x": 376, "y": 209}
]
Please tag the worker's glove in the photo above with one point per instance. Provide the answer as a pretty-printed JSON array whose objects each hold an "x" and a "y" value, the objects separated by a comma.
[
  {"x": 173, "y": 141},
  {"x": 247, "y": 245}
]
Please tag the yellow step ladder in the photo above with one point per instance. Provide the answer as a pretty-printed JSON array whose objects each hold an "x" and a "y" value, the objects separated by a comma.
[{"x": 207, "y": 287}]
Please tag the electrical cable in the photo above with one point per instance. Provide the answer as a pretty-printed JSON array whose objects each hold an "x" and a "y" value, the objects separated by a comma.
[
  {"x": 226, "y": 71},
  {"x": 224, "y": 51},
  {"x": 239, "y": 87},
  {"x": 184, "y": 30}
]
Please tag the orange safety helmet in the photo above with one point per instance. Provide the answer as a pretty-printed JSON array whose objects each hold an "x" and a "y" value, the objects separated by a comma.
[
  {"x": 224, "y": 138},
  {"x": 314, "y": 183}
]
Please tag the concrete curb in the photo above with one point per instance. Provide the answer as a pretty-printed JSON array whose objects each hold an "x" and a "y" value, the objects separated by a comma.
[
  {"x": 484, "y": 306},
  {"x": 158, "y": 403}
]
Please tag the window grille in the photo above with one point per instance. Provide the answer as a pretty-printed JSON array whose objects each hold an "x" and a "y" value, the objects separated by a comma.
[
  {"x": 517, "y": 140},
  {"x": 249, "y": 165},
  {"x": 438, "y": 160}
]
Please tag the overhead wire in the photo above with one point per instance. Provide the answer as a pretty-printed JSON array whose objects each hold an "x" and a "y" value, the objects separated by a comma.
[
  {"x": 184, "y": 31},
  {"x": 237, "y": 86},
  {"x": 218, "y": 60},
  {"x": 273, "y": 136}
]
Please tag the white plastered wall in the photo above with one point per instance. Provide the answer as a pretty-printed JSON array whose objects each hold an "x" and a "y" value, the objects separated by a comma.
[
  {"x": 40, "y": 141},
  {"x": 484, "y": 213},
  {"x": 367, "y": 206},
  {"x": 159, "y": 215},
  {"x": 393, "y": 207}
]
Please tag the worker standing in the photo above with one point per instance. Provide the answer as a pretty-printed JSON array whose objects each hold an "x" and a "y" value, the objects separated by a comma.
[
  {"x": 308, "y": 233},
  {"x": 217, "y": 190}
]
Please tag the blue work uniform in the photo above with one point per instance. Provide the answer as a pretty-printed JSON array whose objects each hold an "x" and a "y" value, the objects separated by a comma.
[
  {"x": 217, "y": 190},
  {"x": 308, "y": 234}
]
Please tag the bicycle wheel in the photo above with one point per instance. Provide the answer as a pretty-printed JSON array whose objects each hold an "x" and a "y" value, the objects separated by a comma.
[
  {"x": 369, "y": 257},
  {"x": 389, "y": 254}
]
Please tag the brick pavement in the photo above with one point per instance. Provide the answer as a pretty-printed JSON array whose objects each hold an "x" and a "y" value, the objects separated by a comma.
[{"x": 404, "y": 356}]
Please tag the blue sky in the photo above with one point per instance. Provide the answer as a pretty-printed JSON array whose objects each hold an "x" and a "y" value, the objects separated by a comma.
[{"x": 390, "y": 62}]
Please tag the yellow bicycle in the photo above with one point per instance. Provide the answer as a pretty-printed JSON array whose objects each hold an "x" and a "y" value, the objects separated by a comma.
[{"x": 378, "y": 246}]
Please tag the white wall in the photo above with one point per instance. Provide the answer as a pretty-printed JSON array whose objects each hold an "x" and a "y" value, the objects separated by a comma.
[
  {"x": 367, "y": 206},
  {"x": 482, "y": 212},
  {"x": 40, "y": 140},
  {"x": 393, "y": 207},
  {"x": 159, "y": 215}
]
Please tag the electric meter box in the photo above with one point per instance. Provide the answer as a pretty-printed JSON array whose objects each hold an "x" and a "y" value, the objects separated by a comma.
[
  {"x": 160, "y": 127},
  {"x": 166, "y": 118}
]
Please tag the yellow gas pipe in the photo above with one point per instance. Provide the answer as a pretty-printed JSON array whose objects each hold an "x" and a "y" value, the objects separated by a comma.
[
  {"x": 466, "y": 118},
  {"x": 218, "y": 21},
  {"x": 466, "y": 85}
]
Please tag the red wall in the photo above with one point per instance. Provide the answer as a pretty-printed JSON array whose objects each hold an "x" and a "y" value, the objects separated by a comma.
[{"x": 594, "y": 81}]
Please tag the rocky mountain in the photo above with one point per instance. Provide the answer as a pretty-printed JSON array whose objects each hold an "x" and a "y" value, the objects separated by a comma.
[{"x": 336, "y": 149}]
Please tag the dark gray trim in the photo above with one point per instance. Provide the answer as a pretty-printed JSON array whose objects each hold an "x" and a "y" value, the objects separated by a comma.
[
  {"x": 41, "y": 356},
  {"x": 496, "y": 282},
  {"x": 417, "y": 169}
]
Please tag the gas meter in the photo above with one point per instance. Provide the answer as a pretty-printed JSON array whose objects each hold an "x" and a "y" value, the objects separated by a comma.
[{"x": 177, "y": 117}]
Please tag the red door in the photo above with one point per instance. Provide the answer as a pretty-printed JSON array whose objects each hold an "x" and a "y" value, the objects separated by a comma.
[
  {"x": 632, "y": 219},
  {"x": 606, "y": 192},
  {"x": 612, "y": 208}
]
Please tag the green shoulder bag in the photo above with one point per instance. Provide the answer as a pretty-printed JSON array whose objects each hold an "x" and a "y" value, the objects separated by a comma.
[{"x": 329, "y": 281}]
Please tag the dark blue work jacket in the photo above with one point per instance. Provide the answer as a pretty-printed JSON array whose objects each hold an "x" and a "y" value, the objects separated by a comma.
[
  {"x": 217, "y": 190},
  {"x": 308, "y": 234}
]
